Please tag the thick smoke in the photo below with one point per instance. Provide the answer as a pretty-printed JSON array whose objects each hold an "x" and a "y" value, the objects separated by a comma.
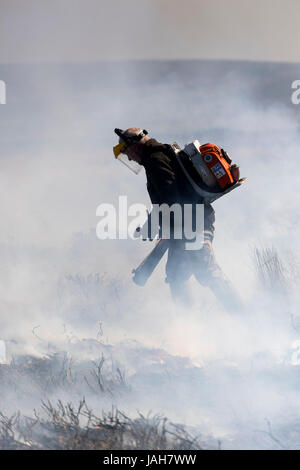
[{"x": 60, "y": 284}]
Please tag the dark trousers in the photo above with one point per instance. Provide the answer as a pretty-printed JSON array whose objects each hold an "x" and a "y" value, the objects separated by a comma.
[{"x": 182, "y": 264}]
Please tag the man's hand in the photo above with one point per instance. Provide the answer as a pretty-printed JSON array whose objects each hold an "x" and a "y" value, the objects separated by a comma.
[{"x": 137, "y": 232}]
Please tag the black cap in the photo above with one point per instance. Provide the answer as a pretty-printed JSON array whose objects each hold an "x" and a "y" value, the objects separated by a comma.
[{"x": 132, "y": 138}]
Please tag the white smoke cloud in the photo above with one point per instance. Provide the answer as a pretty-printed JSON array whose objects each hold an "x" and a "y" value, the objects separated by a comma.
[{"x": 57, "y": 166}]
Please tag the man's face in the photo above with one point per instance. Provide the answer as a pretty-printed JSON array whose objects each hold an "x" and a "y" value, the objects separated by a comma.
[{"x": 133, "y": 153}]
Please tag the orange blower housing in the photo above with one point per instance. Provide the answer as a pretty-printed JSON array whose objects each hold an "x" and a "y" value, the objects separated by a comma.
[
  {"x": 219, "y": 163},
  {"x": 208, "y": 169}
]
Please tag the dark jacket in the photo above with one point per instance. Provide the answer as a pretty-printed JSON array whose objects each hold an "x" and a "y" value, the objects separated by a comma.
[{"x": 166, "y": 183}]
